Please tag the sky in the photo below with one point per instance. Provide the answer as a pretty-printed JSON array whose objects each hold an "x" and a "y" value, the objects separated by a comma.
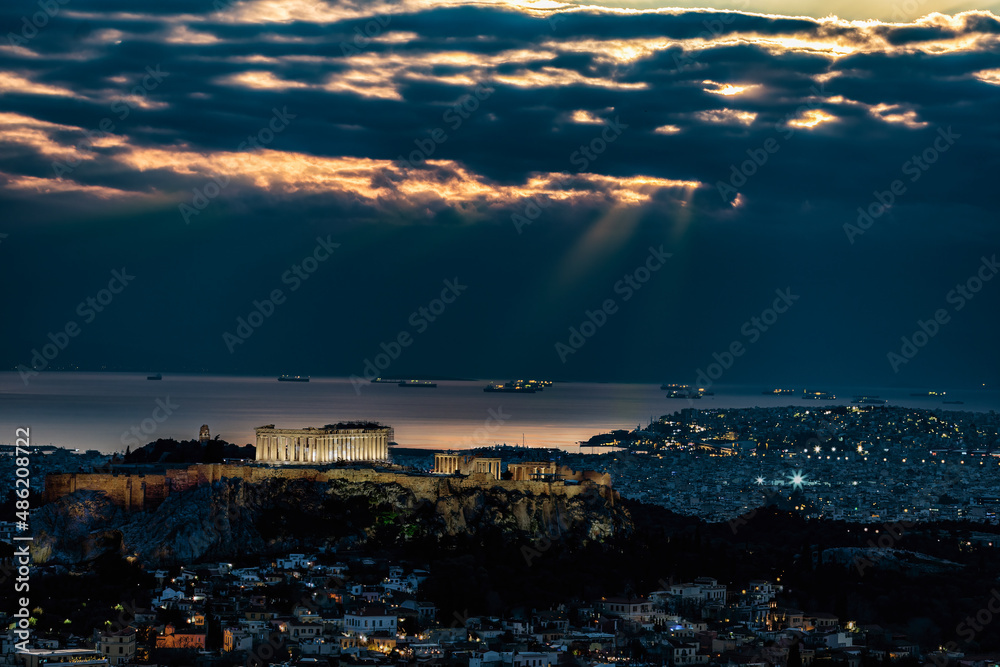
[
  {"x": 855, "y": 10},
  {"x": 763, "y": 191}
]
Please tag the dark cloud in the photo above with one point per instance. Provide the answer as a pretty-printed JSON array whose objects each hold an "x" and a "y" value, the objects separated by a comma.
[{"x": 519, "y": 99}]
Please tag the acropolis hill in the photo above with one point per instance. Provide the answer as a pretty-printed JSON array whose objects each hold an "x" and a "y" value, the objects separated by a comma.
[
  {"x": 189, "y": 513},
  {"x": 138, "y": 488}
]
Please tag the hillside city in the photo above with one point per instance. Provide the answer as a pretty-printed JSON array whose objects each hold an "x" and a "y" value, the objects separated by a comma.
[
  {"x": 859, "y": 464},
  {"x": 855, "y": 464},
  {"x": 321, "y": 609}
]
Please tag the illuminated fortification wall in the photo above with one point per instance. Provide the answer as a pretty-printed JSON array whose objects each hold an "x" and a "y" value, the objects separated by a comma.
[{"x": 136, "y": 490}]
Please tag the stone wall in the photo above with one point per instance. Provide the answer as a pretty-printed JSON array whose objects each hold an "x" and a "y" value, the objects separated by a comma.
[{"x": 136, "y": 490}]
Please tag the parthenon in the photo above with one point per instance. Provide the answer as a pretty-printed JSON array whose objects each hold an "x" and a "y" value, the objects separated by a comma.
[{"x": 345, "y": 441}]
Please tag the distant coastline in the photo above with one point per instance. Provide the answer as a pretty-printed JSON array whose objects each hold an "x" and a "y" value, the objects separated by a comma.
[{"x": 92, "y": 410}]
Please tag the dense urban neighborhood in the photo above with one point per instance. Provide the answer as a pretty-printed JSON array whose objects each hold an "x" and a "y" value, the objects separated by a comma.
[
  {"x": 862, "y": 464},
  {"x": 697, "y": 488},
  {"x": 318, "y": 609}
]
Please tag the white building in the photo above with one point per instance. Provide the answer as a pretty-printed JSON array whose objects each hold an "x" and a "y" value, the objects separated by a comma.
[
  {"x": 485, "y": 659},
  {"x": 369, "y": 620},
  {"x": 633, "y": 609},
  {"x": 530, "y": 658},
  {"x": 236, "y": 639}
]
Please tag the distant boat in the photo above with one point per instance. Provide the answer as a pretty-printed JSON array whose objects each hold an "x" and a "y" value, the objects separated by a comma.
[
  {"x": 293, "y": 378},
  {"x": 818, "y": 395},
  {"x": 779, "y": 392},
  {"x": 417, "y": 383},
  {"x": 510, "y": 388},
  {"x": 929, "y": 393},
  {"x": 685, "y": 391},
  {"x": 158, "y": 376},
  {"x": 518, "y": 386},
  {"x": 869, "y": 400}
]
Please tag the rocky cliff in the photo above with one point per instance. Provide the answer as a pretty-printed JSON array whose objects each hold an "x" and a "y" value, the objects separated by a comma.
[{"x": 232, "y": 517}]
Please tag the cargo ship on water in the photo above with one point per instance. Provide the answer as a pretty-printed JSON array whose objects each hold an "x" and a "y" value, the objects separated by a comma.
[
  {"x": 518, "y": 386},
  {"x": 405, "y": 382},
  {"x": 293, "y": 378},
  {"x": 780, "y": 392},
  {"x": 422, "y": 384},
  {"x": 684, "y": 391},
  {"x": 818, "y": 395}
]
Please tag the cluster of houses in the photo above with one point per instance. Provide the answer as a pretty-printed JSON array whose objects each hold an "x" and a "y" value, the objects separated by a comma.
[{"x": 364, "y": 612}]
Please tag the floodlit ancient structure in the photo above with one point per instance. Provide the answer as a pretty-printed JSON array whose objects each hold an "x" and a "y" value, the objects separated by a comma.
[
  {"x": 449, "y": 464},
  {"x": 345, "y": 441},
  {"x": 532, "y": 470}
]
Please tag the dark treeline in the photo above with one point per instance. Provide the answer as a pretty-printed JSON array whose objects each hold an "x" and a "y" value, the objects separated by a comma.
[{"x": 166, "y": 450}]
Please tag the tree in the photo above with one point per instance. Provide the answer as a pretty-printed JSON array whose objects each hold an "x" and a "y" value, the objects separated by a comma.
[
  {"x": 794, "y": 655},
  {"x": 213, "y": 629}
]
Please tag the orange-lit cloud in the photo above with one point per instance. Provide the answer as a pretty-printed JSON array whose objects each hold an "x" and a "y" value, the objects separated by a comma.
[
  {"x": 726, "y": 116},
  {"x": 811, "y": 118},
  {"x": 895, "y": 113},
  {"x": 727, "y": 88},
  {"x": 377, "y": 182}
]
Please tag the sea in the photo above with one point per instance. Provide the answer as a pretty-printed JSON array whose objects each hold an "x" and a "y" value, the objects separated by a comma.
[{"x": 108, "y": 411}]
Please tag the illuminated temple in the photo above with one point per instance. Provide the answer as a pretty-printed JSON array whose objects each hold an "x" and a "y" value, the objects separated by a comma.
[{"x": 345, "y": 441}]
